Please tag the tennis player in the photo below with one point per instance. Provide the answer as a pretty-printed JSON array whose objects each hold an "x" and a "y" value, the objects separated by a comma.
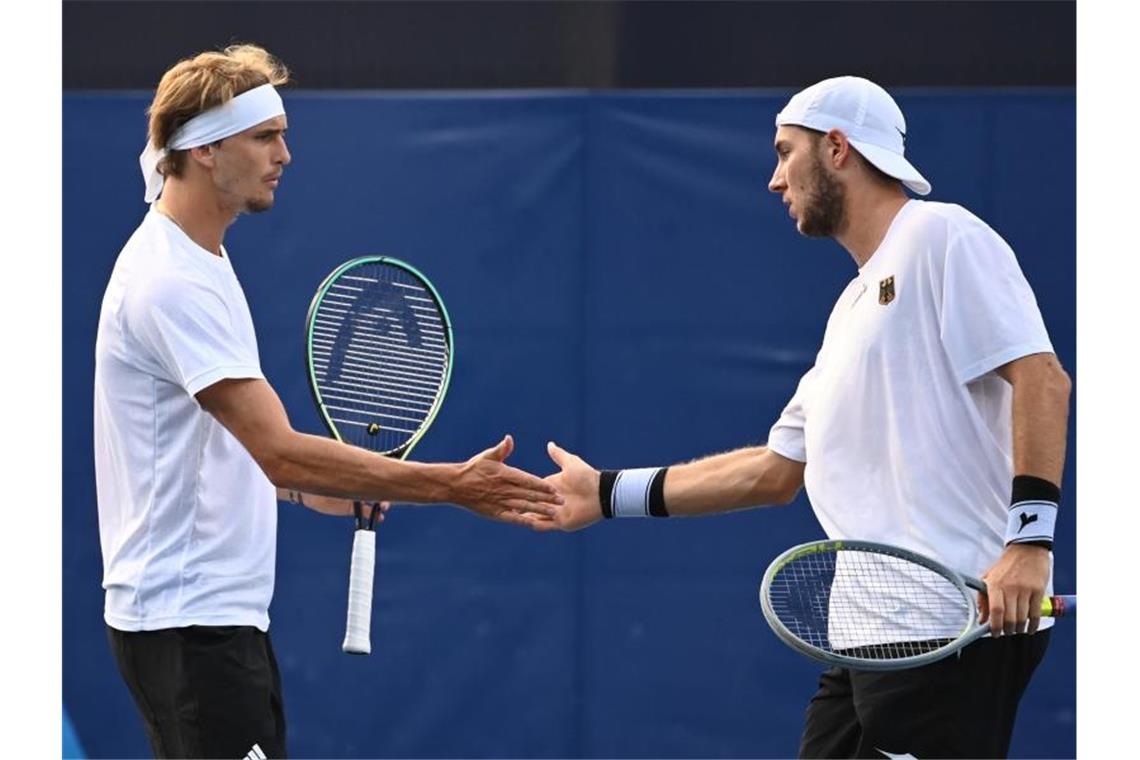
[
  {"x": 193, "y": 447},
  {"x": 934, "y": 418}
]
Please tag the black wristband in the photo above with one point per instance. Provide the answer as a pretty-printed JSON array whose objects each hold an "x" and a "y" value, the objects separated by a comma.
[
  {"x": 1029, "y": 488},
  {"x": 646, "y": 499},
  {"x": 657, "y": 494},
  {"x": 605, "y": 492},
  {"x": 1032, "y": 488}
]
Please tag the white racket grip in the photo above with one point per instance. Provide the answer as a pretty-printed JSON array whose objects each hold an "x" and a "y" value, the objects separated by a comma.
[{"x": 356, "y": 637}]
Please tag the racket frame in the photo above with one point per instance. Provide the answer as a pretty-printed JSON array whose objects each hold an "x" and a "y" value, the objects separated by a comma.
[
  {"x": 364, "y": 547},
  {"x": 966, "y": 586},
  {"x": 406, "y": 448}
]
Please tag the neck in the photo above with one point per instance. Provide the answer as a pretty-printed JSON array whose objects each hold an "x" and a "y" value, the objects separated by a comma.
[
  {"x": 869, "y": 213},
  {"x": 197, "y": 211}
]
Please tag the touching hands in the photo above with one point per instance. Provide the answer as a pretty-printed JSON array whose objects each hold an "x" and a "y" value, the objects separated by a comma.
[
  {"x": 490, "y": 488},
  {"x": 577, "y": 482},
  {"x": 1015, "y": 586}
]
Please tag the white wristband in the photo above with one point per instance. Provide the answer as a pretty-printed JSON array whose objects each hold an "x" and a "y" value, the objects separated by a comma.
[
  {"x": 1031, "y": 521},
  {"x": 631, "y": 492}
]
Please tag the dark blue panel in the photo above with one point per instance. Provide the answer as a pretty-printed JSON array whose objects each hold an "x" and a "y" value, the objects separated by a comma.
[{"x": 620, "y": 281}]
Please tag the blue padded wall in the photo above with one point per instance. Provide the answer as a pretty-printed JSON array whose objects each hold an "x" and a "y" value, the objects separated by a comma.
[{"x": 620, "y": 281}]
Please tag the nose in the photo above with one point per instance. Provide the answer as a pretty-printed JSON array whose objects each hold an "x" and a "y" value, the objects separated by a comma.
[
  {"x": 286, "y": 157},
  {"x": 777, "y": 183}
]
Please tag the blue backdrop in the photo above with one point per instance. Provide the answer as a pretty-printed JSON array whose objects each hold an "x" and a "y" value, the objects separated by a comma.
[{"x": 620, "y": 281}]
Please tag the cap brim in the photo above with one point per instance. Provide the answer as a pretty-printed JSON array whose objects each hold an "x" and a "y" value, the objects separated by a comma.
[{"x": 893, "y": 165}]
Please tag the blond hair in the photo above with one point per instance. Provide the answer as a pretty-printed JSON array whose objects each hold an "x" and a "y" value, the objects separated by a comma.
[{"x": 197, "y": 84}]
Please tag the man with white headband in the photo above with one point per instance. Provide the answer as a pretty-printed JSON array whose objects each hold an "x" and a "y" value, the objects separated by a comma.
[
  {"x": 934, "y": 418},
  {"x": 193, "y": 447}
]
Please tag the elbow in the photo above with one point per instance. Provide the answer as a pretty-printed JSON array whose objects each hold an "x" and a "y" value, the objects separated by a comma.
[
  {"x": 1064, "y": 383},
  {"x": 278, "y": 467},
  {"x": 276, "y": 470},
  {"x": 785, "y": 489},
  {"x": 1058, "y": 384},
  {"x": 787, "y": 495}
]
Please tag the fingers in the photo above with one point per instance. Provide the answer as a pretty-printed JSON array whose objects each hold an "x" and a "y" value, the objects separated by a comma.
[
  {"x": 538, "y": 523},
  {"x": 561, "y": 456},
  {"x": 983, "y": 608},
  {"x": 523, "y": 485},
  {"x": 529, "y": 506},
  {"x": 997, "y": 611},
  {"x": 1017, "y": 623},
  {"x": 1034, "y": 612},
  {"x": 557, "y": 455},
  {"x": 500, "y": 451}
]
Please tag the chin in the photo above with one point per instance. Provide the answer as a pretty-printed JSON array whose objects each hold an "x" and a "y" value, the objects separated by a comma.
[{"x": 257, "y": 205}]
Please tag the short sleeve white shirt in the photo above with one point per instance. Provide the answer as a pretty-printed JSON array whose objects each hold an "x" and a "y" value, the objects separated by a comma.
[
  {"x": 905, "y": 428},
  {"x": 187, "y": 519}
]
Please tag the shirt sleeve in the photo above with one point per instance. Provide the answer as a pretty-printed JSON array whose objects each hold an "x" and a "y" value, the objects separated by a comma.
[
  {"x": 786, "y": 437},
  {"x": 187, "y": 330},
  {"x": 988, "y": 315}
]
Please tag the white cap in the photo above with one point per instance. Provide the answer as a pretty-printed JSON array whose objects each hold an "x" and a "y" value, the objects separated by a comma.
[{"x": 863, "y": 111}]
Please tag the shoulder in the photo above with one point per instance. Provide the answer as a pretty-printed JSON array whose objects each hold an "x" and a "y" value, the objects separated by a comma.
[
  {"x": 950, "y": 233},
  {"x": 161, "y": 280},
  {"x": 950, "y": 219}
]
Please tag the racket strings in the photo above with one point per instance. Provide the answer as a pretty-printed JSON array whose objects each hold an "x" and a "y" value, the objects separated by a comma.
[
  {"x": 868, "y": 605},
  {"x": 380, "y": 353}
]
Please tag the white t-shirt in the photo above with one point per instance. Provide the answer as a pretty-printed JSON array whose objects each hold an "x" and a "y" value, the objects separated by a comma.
[
  {"x": 905, "y": 429},
  {"x": 187, "y": 519}
]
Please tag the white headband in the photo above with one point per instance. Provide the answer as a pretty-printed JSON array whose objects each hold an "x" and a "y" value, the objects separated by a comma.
[{"x": 235, "y": 115}]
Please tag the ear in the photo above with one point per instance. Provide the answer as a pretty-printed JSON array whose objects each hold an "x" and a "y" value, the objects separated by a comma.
[
  {"x": 837, "y": 147},
  {"x": 204, "y": 155}
]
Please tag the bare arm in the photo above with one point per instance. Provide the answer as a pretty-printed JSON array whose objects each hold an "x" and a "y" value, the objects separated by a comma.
[
  {"x": 754, "y": 476},
  {"x": 1041, "y": 390},
  {"x": 252, "y": 412},
  {"x": 749, "y": 477},
  {"x": 1016, "y": 583},
  {"x": 327, "y": 505}
]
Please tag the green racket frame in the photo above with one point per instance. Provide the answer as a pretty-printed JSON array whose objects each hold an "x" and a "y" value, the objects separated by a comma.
[{"x": 405, "y": 449}]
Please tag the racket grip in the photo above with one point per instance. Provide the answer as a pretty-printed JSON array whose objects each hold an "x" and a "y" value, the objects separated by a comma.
[
  {"x": 1059, "y": 606},
  {"x": 358, "y": 629}
]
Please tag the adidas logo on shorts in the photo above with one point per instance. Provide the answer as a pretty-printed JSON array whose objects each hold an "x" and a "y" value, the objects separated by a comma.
[{"x": 255, "y": 754}]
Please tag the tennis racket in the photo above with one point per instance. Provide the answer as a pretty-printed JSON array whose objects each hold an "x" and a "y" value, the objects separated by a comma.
[
  {"x": 870, "y": 606},
  {"x": 379, "y": 351}
]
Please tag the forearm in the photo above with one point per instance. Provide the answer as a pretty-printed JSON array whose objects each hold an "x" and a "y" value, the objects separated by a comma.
[
  {"x": 749, "y": 477},
  {"x": 326, "y": 505},
  {"x": 316, "y": 465},
  {"x": 1040, "y": 425}
]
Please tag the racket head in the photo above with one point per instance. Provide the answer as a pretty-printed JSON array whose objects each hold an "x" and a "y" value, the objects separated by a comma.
[
  {"x": 379, "y": 349},
  {"x": 868, "y": 606}
]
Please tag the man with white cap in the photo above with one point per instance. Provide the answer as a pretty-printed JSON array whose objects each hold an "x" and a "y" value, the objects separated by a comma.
[
  {"x": 192, "y": 445},
  {"x": 934, "y": 418}
]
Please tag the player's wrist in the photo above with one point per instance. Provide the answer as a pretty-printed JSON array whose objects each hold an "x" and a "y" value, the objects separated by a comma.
[
  {"x": 633, "y": 493},
  {"x": 1032, "y": 519}
]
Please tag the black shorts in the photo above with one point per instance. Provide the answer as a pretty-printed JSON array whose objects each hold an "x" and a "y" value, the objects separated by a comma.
[
  {"x": 204, "y": 691},
  {"x": 961, "y": 706}
]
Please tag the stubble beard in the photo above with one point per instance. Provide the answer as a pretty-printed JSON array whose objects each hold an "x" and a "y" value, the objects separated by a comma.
[
  {"x": 258, "y": 205},
  {"x": 824, "y": 214}
]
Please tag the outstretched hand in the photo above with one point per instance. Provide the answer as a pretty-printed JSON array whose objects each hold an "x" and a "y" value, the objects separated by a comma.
[
  {"x": 577, "y": 481},
  {"x": 489, "y": 487}
]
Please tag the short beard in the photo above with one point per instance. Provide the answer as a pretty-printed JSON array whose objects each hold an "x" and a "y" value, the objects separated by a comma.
[
  {"x": 257, "y": 206},
  {"x": 824, "y": 213}
]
